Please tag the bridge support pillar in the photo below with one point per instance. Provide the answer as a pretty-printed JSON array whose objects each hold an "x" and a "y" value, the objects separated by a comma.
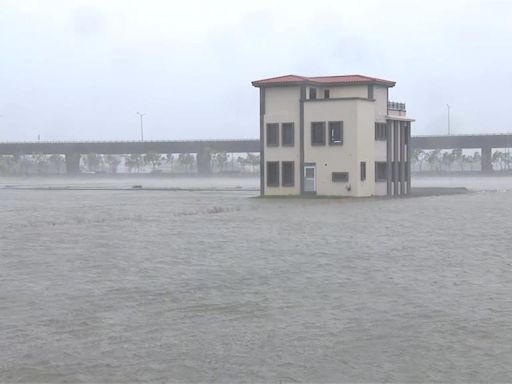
[
  {"x": 73, "y": 163},
  {"x": 487, "y": 160},
  {"x": 204, "y": 162}
]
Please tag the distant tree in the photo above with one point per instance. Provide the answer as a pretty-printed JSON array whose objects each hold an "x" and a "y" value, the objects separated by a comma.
[
  {"x": 447, "y": 160},
  {"x": 169, "y": 159},
  {"x": 57, "y": 163},
  {"x": 113, "y": 162},
  {"x": 507, "y": 159},
  {"x": 466, "y": 159},
  {"x": 134, "y": 161},
  {"x": 477, "y": 158},
  {"x": 242, "y": 161},
  {"x": 457, "y": 156},
  {"x": 40, "y": 161},
  {"x": 186, "y": 160},
  {"x": 253, "y": 160},
  {"x": 92, "y": 162},
  {"x": 497, "y": 159},
  {"x": 418, "y": 157},
  {"x": 221, "y": 159},
  {"x": 433, "y": 159},
  {"x": 4, "y": 165},
  {"x": 153, "y": 158}
]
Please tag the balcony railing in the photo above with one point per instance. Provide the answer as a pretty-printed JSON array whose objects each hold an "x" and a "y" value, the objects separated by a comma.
[{"x": 394, "y": 106}]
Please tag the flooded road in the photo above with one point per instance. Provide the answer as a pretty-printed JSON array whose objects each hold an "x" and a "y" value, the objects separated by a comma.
[{"x": 196, "y": 286}]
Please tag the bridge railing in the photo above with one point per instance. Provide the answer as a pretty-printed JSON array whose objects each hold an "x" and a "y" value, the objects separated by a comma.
[{"x": 126, "y": 141}]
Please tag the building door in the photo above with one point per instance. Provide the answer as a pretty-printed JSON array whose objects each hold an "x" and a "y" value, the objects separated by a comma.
[{"x": 310, "y": 178}]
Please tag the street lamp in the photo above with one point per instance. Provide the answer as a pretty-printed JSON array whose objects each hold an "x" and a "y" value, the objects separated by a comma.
[
  {"x": 448, "y": 107},
  {"x": 141, "y": 115}
]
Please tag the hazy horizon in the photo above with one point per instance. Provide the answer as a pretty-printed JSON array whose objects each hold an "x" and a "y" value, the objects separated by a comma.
[{"x": 80, "y": 70}]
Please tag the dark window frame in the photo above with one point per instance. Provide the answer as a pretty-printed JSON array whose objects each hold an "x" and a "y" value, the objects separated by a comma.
[
  {"x": 312, "y": 93},
  {"x": 274, "y": 181},
  {"x": 320, "y": 125},
  {"x": 330, "y": 130},
  {"x": 327, "y": 93},
  {"x": 283, "y": 142},
  {"x": 339, "y": 177},
  {"x": 378, "y": 176},
  {"x": 291, "y": 181},
  {"x": 362, "y": 170},
  {"x": 268, "y": 136},
  {"x": 381, "y": 132}
]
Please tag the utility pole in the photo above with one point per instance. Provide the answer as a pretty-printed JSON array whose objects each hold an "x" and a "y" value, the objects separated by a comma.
[
  {"x": 448, "y": 107},
  {"x": 141, "y": 115}
]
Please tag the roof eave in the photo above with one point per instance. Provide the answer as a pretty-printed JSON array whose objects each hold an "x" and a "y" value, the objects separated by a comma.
[{"x": 260, "y": 84}]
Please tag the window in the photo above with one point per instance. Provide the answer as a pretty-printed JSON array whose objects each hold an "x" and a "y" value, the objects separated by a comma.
[
  {"x": 370, "y": 91},
  {"x": 288, "y": 174},
  {"x": 327, "y": 93},
  {"x": 318, "y": 133},
  {"x": 363, "y": 170},
  {"x": 272, "y": 173},
  {"x": 287, "y": 130},
  {"x": 380, "y": 131},
  {"x": 339, "y": 177},
  {"x": 380, "y": 171},
  {"x": 335, "y": 132},
  {"x": 273, "y": 135},
  {"x": 312, "y": 93}
]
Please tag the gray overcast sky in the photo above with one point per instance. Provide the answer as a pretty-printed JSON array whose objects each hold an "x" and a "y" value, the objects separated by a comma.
[{"x": 81, "y": 69}]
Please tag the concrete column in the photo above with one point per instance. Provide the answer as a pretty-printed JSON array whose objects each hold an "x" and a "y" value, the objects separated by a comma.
[
  {"x": 396, "y": 158},
  {"x": 402, "y": 158},
  {"x": 408, "y": 156},
  {"x": 262, "y": 141},
  {"x": 204, "y": 162},
  {"x": 389, "y": 156},
  {"x": 487, "y": 160},
  {"x": 73, "y": 163}
]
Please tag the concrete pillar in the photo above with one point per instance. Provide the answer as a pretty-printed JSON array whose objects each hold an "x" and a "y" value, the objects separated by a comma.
[
  {"x": 408, "y": 156},
  {"x": 389, "y": 156},
  {"x": 402, "y": 158},
  {"x": 204, "y": 162},
  {"x": 487, "y": 160},
  {"x": 73, "y": 163},
  {"x": 396, "y": 159}
]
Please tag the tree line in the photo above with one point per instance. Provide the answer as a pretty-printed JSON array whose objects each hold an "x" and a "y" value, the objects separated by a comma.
[
  {"x": 438, "y": 160},
  {"x": 152, "y": 162}
]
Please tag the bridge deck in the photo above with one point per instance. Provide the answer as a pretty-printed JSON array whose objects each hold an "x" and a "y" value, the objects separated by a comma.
[{"x": 237, "y": 145}]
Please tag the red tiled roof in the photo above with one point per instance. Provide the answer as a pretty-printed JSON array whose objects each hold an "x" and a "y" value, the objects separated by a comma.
[{"x": 331, "y": 80}]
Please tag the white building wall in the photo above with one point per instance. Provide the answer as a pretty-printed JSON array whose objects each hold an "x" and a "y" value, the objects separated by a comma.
[{"x": 282, "y": 106}]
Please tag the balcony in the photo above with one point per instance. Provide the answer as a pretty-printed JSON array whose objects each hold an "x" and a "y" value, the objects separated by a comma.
[{"x": 394, "y": 106}]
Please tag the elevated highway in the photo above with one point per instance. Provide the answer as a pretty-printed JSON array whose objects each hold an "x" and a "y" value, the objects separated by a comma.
[{"x": 204, "y": 148}]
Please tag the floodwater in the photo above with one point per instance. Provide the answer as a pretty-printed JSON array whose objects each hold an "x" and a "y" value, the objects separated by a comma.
[{"x": 217, "y": 286}]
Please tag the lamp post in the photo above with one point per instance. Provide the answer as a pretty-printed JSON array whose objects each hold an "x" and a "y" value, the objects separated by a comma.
[
  {"x": 141, "y": 115},
  {"x": 448, "y": 107}
]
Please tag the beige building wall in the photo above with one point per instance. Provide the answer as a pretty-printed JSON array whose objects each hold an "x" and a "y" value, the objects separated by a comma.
[
  {"x": 365, "y": 148},
  {"x": 349, "y": 91},
  {"x": 332, "y": 158},
  {"x": 340, "y": 92},
  {"x": 380, "y": 94},
  {"x": 282, "y": 105}
]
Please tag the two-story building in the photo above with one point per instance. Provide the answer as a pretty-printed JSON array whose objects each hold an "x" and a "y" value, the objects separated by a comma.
[{"x": 333, "y": 136}]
